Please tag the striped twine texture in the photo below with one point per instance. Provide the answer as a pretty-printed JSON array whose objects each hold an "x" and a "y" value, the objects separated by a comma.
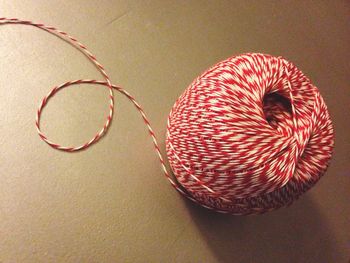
[{"x": 249, "y": 135}]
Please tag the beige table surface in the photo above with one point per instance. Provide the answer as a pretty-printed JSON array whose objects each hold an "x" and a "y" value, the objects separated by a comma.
[{"x": 111, "y": 203}]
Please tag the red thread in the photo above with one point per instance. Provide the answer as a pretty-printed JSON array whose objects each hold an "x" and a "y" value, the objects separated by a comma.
[{"x": 249, "y": 135}]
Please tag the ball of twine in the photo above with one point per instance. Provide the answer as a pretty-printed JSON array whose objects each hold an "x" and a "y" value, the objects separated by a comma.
[{"x": 249, "y": 135}]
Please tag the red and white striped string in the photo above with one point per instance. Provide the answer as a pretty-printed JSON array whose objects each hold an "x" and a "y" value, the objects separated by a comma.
[
  {"x": 106, "y": 82},
  {"x": 249, "y": 135}
]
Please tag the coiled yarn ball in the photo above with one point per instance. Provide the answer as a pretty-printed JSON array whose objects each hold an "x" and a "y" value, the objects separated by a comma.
[{"x": 249, "y": 135}]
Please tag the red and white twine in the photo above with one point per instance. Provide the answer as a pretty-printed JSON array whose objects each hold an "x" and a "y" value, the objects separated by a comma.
[{"x": 249, "y": 135}]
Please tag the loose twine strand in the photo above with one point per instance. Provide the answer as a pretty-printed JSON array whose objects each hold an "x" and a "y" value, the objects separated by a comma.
[{"x": 107, "y": 82}]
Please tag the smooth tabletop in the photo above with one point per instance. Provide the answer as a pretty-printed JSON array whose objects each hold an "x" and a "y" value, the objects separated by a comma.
[{"x": 111, "y": 203}]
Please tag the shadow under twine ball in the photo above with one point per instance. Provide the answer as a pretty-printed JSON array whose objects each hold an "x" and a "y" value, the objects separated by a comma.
[{"x": 249, "y": 135}]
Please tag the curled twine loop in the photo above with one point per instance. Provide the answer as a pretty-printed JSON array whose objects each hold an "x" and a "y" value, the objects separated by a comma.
[
  {"x": 82, "y": 48},
  {"x": 198, "y": 189}
]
